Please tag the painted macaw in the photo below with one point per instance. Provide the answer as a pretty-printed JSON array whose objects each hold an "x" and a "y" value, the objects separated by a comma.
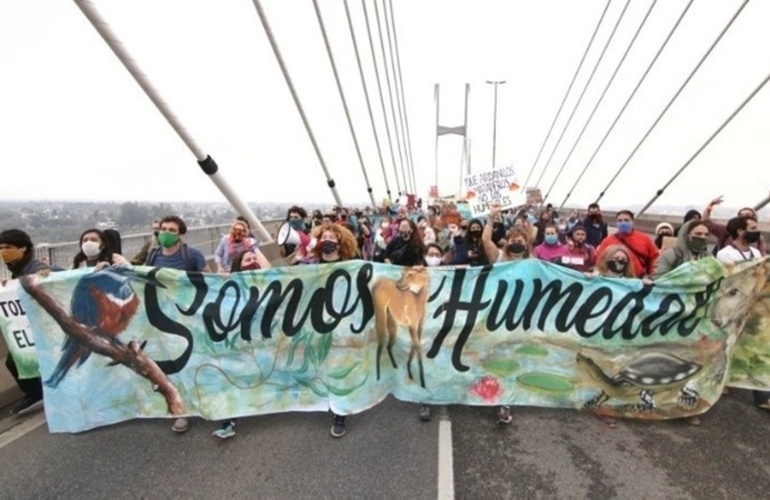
[{"x": 104, "y": 302}]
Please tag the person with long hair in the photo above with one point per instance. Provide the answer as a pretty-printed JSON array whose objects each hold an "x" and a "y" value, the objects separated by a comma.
[
  {"x": 407, "y": 248},
  {"x": 516, "y": 246},
  {"x": 94, "y": 248},
  {"x": 614, "y": 262},
  {"x": 230, "y": 245},
  {"x": 335, "y": 244},
  {"x": 247, "y": 260}
]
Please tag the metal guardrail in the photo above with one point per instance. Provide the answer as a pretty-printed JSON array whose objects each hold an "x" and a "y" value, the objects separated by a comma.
[{"x": 205, "y": 239}]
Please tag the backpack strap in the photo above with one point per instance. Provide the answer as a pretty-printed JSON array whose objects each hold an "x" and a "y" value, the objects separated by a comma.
[
  {"x": 189, "y": 265},
  {"x": 151, "y": 256}
]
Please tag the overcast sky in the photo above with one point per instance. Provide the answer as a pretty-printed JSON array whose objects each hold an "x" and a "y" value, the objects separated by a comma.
[{"x": 75, "y": 125}]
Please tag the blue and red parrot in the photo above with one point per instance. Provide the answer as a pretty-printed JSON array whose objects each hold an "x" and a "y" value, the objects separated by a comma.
[{"x": 104, "y": 302}]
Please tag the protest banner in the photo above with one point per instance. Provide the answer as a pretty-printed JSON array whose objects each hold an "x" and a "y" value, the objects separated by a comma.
[
  {"x": 494, "y": 186},
  {"x": 16, "y": 330},
  {"x": 162, "y": 343}
]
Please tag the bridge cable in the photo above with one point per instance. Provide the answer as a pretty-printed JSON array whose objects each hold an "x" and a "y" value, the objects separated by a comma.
[
  {"x": 759, "y": 206},
  {"x": 569, "y": 89},
  {"x": 295, "y": 97},
  {"x": 628, "y": 101},
  {"x": 368, "y": 99},
  {"x": 708, "y": 141},
  {"x": 344, "y": 101},
  {"x": 405, "y": 125},
  {"x": 404, "y": 177},
  {"x": 382, "y": 99},
  {"x": 681, "y": 88},
  {"x": 601, "y": 98},
  {"x": 577, "y": 104},
  {"x": 205, "y": 162}
]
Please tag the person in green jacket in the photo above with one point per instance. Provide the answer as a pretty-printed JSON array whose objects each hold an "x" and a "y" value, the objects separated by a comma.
[{"x": 691, "y": 244}]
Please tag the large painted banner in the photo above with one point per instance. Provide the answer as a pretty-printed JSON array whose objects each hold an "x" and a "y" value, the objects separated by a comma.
[
  {"x": 16, "y": 330},
  {"x": 121, "y": 343}
]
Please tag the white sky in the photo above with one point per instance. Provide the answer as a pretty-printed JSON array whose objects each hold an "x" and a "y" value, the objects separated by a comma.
[{"x": 75, "y": 125}]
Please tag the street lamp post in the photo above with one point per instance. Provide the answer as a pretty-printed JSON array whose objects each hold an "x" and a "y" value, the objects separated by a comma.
[{"x": 494, "y": 123}]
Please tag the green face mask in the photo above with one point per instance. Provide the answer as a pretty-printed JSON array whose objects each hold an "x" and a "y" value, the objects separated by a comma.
[{"x": 167, "y": 239}]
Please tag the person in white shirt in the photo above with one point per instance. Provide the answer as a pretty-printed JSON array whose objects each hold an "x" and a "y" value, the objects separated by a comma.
[{"x": 743, "y": 231}]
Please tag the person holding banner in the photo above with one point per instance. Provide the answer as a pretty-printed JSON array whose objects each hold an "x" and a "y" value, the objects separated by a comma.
[
  {"x": 94, "y": 248},
  {"x": 335, "y": 244},
  {"x": 18, "y": 254}
]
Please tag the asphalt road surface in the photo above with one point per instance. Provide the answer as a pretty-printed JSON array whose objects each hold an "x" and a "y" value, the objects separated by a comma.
[{"x": 388, "y": 453}]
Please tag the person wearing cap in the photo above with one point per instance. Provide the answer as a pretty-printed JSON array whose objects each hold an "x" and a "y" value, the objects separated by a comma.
[
  {"x": 18, "y": 254},
  {"x": 663, "y": 230}
]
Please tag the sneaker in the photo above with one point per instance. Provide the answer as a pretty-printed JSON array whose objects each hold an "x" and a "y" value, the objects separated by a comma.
[
  {"x": 338, "y": 427},
  {"x": 504, "y": 415},
  {"x": 226, "y": 431},
  {"x": 180, "y": 425},
  {"x": 424, "y": 413},
  {"x": 27, "y": 404}
]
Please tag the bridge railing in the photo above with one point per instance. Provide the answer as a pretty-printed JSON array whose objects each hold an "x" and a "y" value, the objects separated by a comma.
[{"x": 205, "y": 239}]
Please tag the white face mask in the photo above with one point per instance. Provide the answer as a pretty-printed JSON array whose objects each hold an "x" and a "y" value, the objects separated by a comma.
[
  {"x": 433, "y": 261},
  {"x": 91, "y": 249}
]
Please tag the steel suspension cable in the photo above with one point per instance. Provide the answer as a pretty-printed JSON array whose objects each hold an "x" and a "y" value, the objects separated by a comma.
[
  {"x": 366, "y": 95},
  {"x": 708, "y": 141},
  {"x": 295, "y": 97},
  {"x": 585, "y": 88},
  {"x": 759, "y": 206},
  {"x": 681, "y": 88},
  {"x": 382, "y": 98},
  {"x": 625, "y": 105},
  {"x": 407, "y": 182},
  {"x": 205, "y": 161},
  {"x": 601, "y": 98},
  {"x": 564, "y": 99},
  {"x": 400, "y": 84},
  {"x": 344, "y": 100}
]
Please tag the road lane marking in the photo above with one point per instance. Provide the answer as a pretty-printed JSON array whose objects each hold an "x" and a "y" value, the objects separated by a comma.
[
  {"x": 446, "y": 481},
  {"x": 23, "y": 428}
]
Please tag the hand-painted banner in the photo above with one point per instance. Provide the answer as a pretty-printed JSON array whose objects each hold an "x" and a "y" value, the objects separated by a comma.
[
  {"x": 16, "y": 330},
  {"x": 118, "y": 343}
]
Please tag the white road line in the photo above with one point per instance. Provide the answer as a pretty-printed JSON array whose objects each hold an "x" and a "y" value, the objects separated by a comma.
[
  {"x": 20, "y": 430},
  {"x": 446, "y": 480}
]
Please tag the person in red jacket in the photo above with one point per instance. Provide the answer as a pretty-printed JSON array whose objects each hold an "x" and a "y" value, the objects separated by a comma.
[{"x": 643, "y": 251}]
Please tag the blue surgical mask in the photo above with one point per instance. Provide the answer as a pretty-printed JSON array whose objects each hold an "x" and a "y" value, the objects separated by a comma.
[
  {"x": 625, "y": 227},
  {"x": 551, "y": 239}
]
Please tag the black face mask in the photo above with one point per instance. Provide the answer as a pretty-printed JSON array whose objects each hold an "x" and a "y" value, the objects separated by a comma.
[
  {"x": 516, "y": 248},
  {"x": 475, "y": 233},
  {"x": 751, "y": 236},
  {"x": 617, "y": 267},
  {"x": 329, "y": 246},
  {"x": 405, "y": 235}
]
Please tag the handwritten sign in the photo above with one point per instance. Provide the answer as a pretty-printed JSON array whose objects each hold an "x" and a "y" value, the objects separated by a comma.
[{"x": 494, "y": 186}]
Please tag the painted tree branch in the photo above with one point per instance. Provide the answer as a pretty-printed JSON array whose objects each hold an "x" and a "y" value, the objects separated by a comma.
[{"x": 130, "y": 355}]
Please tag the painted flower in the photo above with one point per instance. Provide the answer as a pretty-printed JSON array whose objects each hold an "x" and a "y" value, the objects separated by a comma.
[{"x": 487, "y": 388}]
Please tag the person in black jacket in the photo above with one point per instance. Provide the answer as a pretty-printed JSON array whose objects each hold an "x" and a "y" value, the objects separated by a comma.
[
  {"x": 18, "y": 254},
  {"x": 407, "y": 248}
]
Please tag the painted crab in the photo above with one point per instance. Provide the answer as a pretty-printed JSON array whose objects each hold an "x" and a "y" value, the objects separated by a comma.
[{"x": 650, "y": 373}]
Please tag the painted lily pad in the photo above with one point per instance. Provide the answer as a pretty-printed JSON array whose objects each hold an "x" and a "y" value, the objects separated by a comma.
[
  {"x": 500, "y": 367},
  {"x": 545, "y": 382},
  {"x": 532, "y": 350}
]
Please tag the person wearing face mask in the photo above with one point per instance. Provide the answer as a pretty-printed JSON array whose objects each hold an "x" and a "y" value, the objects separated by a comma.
[
  {"x": 720, "y": 230},
  {"x": 18, "y": 254},
  {"x": 335, "y": 244},
  {"x": 543, "y": 221},
  {"x": 516, "y": 246},
  {"x": 743, "y": 233},
  {"x": 382, "y": 238},
  {"x": 295, "y": 216},
  {"x": 551, "y": 250},
  {"x": 235, "y": 242},
  {"x": 93, "y": 250},
  {"x": 470, "y": 249},
  {"x": 663, "y": 230},
  {"x": 691, "y": 244},
  {"x": 581, "y": 256},
  {"x": 643, "y": 251},
  {"x": 427, "y": 232},
  {"x": 247, "y": 260},
  {"x": 596, "y": 228},
  {"x": 406, "y": 249}
]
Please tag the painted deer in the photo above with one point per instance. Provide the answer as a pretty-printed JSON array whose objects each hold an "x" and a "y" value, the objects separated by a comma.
[{"x": 401, "y": 303}]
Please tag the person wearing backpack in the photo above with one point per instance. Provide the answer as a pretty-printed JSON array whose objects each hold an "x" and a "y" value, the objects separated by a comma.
[
  {"x": 691, "y": 244},
  {"x": 173, "y": 253}
]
